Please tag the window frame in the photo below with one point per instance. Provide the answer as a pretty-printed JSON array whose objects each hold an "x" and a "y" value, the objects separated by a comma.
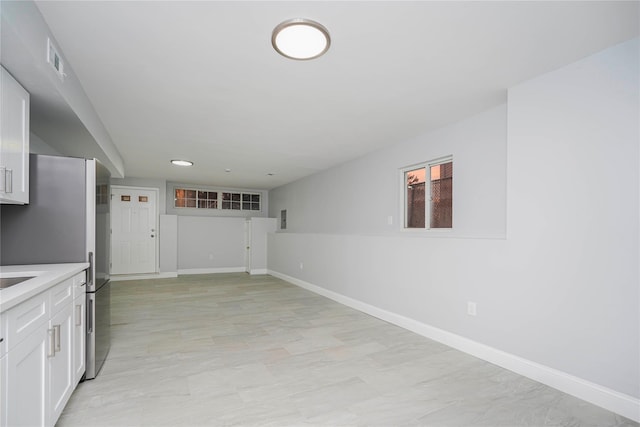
[
  {"x": 427, "y": 205},
  {"x": 219, "y": 199}
]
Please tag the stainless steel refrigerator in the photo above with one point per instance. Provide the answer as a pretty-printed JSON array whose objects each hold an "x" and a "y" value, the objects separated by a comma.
[{"x": 67, "y": 220}]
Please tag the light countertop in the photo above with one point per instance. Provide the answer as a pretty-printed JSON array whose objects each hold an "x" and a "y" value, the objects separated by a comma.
[{"x": 45, "y": 276}]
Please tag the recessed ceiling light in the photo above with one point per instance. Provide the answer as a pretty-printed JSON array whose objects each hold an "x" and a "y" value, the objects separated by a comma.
[
  {"x": 182, "y": 162},
  {"x": 227, "y": 170},
  {"x": 300, "y": 39},
  {"x": 271, "y": 174}
]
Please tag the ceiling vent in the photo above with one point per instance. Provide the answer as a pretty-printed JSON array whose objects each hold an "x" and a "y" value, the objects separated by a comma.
[{"x": 54, "y": 58}]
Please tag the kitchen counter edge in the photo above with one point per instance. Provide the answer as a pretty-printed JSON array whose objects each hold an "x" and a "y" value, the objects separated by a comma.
[{"x": 46, "y": 276}]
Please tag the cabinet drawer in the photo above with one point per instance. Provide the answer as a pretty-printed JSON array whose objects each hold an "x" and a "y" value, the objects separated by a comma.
[
  {"x": 61, "y": 295},
  {"x": 25, "y": 318},
  {"x": 79, "y": 284}
]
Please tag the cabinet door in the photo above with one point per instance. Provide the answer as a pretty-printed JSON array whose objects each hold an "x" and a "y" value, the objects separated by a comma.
[
  {"x": 25, "y": 401},
  {"x": 79, "y": 337},
  {"x": 61, "y": 383},
  {"x": 14, "y": 141}
]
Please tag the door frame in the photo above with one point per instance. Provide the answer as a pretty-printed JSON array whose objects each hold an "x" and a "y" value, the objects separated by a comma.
[{"x": 157, "y": 243}]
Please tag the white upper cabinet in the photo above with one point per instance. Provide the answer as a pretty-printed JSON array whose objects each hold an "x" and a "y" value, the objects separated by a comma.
[{"x": 14, "y": 141}]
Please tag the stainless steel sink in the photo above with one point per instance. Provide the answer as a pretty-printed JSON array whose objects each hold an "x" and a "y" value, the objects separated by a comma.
[{"x": 7, "y": 282}]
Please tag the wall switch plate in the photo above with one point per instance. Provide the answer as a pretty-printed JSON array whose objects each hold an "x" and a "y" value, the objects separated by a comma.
[
  {"x": 301, "y": 266},
  {"x": 390, "y": 220},
  {"x": 471, "y": 308}
]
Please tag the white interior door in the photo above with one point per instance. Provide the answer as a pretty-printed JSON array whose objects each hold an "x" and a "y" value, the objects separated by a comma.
[{"x": 133, "y": 230}]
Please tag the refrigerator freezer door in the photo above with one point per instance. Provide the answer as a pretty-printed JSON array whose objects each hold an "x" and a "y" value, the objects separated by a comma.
[{"x": 98, "y": 329}]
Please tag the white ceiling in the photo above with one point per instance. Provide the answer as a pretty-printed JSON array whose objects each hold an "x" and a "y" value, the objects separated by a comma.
[{"x": 200, "y": 80}]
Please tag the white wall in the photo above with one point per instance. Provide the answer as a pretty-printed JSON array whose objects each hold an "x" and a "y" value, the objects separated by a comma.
[
  {"x": 38, "y": 146},
  {"x": 186, "y": 245},
  {"x": 259, "y": 229},
  {"x": 168, "y": 244},
  {"x": 573, "y": 218},
  {"x": 210, "y": 244},
  {"x": 558, "y": 299},
  {"x": 358, "y": 197}
]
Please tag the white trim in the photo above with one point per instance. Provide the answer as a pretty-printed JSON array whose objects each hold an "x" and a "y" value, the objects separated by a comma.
[
  {"x": 211, "y": 270},
  {"x": 620, "y": 403},
  {"x": 259, "y": 271},
  {"x": 121, "y": 277}
]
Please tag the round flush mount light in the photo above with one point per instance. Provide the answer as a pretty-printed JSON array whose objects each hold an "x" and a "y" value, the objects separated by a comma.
[
  {"x": 300, "y": 39},
  {"x": 181, "y": 162}
]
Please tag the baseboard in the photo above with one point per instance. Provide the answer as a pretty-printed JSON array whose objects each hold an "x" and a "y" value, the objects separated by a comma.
[
  {"x": 259, "y": 271},
  {"x": 211, "y": 270},
  {"x": 614, "y": 401},
  {"x": 121, "y": 277}
]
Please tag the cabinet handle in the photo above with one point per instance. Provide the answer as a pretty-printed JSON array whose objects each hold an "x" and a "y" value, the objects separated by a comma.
[
  {"x": 79, "y": 315},
  {"x": 56, "y": 334},
  {"x": 8, "y": 181},
  {"x": 52, "y": 343}
]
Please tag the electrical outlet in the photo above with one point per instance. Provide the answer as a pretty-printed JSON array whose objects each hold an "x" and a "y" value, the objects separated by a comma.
[
  {"x": 471, "y": 308},
  {"x": 390, "y": 220},
  {"x": 301, "y": 266}
]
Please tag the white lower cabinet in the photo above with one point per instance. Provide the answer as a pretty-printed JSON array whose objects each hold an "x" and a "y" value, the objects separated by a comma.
[
  {"x": 40, "y": 369},
  {"x": 61, "y": 383},
  {"x": 27, "y": 381},
  {"x": 3, "y": 390}
]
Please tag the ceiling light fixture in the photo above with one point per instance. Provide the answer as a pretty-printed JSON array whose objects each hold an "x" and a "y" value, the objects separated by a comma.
[
  {"x": 182, "y": 162},
  {"x": 300, "y": 39}
]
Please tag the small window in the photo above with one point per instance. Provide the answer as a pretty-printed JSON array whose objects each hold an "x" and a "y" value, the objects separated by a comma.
[
  {"x": 428, "y": 195},
  {"x": 191, "y": 198},
  {"x": 241, "y": 201},
  {"x": 206, "y": 199}
]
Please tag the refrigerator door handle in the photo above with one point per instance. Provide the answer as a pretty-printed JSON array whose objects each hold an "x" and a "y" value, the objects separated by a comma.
[
  {"x": 8, "y": 181},
  {"x": 90, "y": 316},
  {"x": 90, "y": 272}
]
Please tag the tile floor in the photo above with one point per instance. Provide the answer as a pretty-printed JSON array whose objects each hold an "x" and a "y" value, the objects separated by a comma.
[{"x": 240, "y": 350}]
